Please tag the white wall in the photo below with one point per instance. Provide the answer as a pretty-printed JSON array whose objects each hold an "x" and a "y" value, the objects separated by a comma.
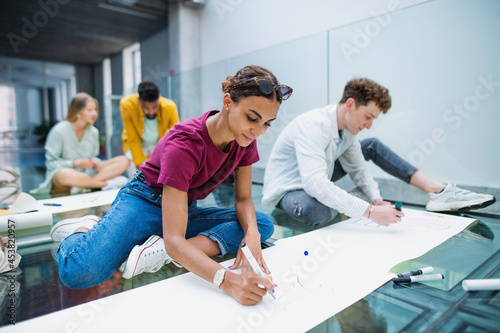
[
  {"x": 436, "y": 58},
  {"x": 440, "y": 63},
  {"x": 230, "y": 28}
]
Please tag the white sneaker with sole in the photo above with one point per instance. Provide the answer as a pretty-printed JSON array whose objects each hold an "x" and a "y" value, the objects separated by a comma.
[
  {"x": 64, "y": 228},
  {"x": 114, "y": 183},
  {"x": 78, "y": 190},
  {"x": 148, "y": 257},
  {"x": 456, "y": 199}
]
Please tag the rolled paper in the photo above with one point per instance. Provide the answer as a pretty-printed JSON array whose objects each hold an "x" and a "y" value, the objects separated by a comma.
[
  {"x": 481, "y": 284},
  {"x": 11, "y": 223},
  {"x": 25, "y": 203}
]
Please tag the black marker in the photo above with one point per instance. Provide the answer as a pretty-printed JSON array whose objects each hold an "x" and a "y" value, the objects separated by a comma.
[
  {"x": 418, "y": 278},
  {"x": 417, "y": 272}
]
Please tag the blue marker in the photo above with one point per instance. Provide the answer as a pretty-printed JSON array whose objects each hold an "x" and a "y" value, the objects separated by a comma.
[
  {"x": 306, "y": 253},
  {"x": 398, "y": 205},
  {"x": 52, "y": 204}
]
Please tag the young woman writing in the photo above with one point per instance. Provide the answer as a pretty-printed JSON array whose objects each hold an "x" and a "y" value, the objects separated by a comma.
[{"x": 188, "y": 163}]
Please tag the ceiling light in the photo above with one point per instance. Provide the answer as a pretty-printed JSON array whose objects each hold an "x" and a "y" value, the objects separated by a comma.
[{"x": 127, "y": 3}]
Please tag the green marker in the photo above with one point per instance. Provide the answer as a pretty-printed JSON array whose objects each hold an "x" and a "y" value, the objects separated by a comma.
[{"x": 398, "y": 205}]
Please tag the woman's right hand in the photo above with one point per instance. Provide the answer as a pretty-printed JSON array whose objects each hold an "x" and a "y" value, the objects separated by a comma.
[
  {"x": 385, "y": 215},
  {"x": 245, "y": 288},
  {"x": 84, "y": 163}
]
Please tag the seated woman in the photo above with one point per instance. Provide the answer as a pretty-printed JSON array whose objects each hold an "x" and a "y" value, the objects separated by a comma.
[
  {"x": 188, "y": 163},
  {"x": 71, "y": 153}
]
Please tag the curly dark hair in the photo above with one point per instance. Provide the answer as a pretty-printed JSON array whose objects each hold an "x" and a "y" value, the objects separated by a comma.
[
  {"x": 148, "y": 91},
  {"x": 364, "y": 91}
]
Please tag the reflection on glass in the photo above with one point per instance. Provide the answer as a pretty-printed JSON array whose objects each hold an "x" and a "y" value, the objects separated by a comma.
[
  {"x": 32, "y": 94},
  {"x": 360, "y": 317}
]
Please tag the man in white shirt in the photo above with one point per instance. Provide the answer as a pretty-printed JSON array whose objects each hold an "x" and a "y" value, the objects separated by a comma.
[{"x": 320, "y": 146}]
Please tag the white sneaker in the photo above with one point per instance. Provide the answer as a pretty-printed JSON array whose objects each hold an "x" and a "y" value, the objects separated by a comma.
[
  {"x": 454, "y": 199},
  {"x": 9, "y": 258},
  {"x": 64, "y": 228},
  {"x": 78, "y": 190},
  {"x": 148, "y": 257},
  {"x": 114, "y": 183}
]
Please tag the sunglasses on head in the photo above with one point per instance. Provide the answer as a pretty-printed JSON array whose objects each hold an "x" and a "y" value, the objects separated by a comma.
[{"x": 267, "y": 87}]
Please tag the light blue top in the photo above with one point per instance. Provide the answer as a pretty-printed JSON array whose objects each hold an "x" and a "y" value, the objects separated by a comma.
[
  {"x": 150, "y": 136},
  {"x": 62, "y": 148}
]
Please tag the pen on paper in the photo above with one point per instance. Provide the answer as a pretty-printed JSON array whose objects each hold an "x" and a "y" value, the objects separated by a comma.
[
  {"x": 253, "y": 263},
  {"x": 92, "y": 200},
  {"x": 52, "y": 204}
]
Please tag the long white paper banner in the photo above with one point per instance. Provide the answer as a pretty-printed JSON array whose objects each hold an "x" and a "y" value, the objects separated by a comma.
[{"x": 318, "y": 274}]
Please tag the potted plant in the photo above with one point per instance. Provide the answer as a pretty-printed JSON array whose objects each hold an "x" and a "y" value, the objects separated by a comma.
[{"x": 42, "y": 130}]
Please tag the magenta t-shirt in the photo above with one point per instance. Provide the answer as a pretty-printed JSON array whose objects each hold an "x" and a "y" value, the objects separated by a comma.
[{"x": 187, "y": 159}]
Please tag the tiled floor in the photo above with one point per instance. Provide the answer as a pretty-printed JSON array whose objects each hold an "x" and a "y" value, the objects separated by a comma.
[{"x": 35, "y": 288}]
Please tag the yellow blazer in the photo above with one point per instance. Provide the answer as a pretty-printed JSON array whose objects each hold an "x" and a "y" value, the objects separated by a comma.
[{"x": 133, "y": 124}]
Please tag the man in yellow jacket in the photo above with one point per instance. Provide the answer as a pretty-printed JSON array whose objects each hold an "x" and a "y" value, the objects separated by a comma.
[{"x": 147, "y": 116}]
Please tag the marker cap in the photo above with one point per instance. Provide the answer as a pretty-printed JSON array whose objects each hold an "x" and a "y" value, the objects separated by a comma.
[{"x": 481, "y": 284}]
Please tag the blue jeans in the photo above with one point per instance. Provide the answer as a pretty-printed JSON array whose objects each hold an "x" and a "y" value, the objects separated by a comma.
[
  {"x": 308, "y": 210},
  {"x": 89, "y": 258}
]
